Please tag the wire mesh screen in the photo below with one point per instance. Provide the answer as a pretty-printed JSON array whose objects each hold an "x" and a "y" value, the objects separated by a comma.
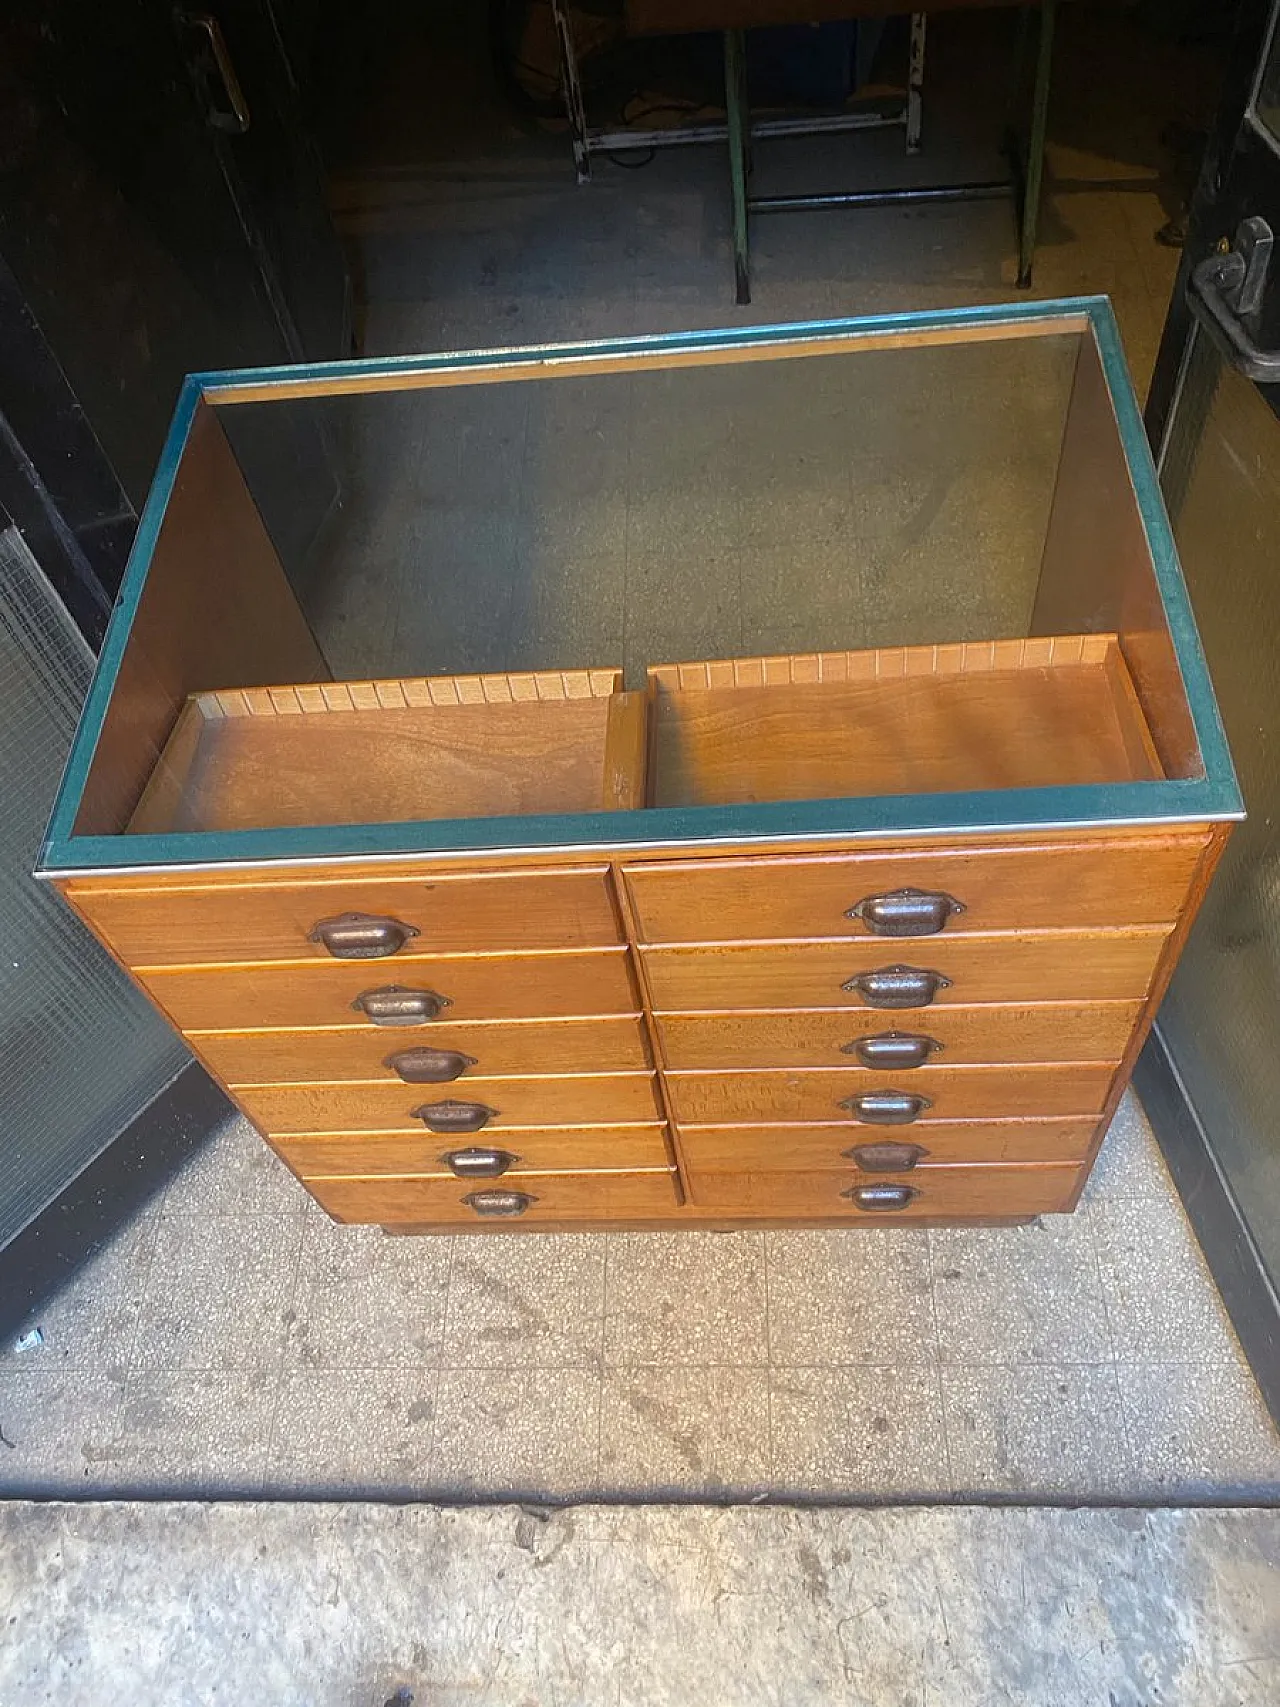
[{"x": 82, "y": 1052}]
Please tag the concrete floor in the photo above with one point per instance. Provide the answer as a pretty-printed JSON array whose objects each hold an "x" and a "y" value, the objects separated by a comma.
[
  {"x": 235, "y": 1342},
  {"x": 301, "y": 1606}
]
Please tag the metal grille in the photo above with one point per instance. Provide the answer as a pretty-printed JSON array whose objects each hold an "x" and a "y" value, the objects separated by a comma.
[{"x": 81, "y": 1052}]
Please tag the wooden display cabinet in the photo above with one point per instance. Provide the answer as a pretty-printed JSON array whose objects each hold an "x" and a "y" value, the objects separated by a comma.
[{"x": 863, "y": 927}]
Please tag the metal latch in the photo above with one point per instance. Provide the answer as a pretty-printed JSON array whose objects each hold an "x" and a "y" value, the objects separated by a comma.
[{"x": 1226, "y": 293}]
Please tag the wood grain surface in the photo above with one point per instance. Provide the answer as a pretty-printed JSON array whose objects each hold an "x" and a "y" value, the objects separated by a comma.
[
  {"x": 618, "y": 1099},
  {"x": 816, "y": 1148},
  {"x": 1047, "y": 966},
  {"x": 198, "y": 924},
  {"x": 959, "y": 726},
  {"x": 563, "y": 1197},
  {"x": 536, "y": 1150},
  {"x": 378, "y": 764},
  {"x": 501, "y": 1048},
  {"x": 1077, "y": 885},
  {"x": 960, "y": 1190},
  {"x": 952, "y": 1093},
  {"x": 285, "y": 994},
  {"x": 993, "y": 1033}
]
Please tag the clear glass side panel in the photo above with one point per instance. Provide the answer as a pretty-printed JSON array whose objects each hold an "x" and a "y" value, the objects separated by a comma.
[
  {"x": 1222, "y": 477},
  {"x": 809, "y": 576}
]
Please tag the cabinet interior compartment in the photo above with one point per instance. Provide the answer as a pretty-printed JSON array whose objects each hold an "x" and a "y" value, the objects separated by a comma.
[
  {"x": 1048, "y": 711},
  {"x": 399, "y": 749}
]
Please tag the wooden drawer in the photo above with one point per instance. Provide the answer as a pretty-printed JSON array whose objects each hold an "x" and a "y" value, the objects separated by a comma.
[
  {"x": 172, "y": 925},
  {"x": 536, "y": 1150},
  {"x": 944, "y": 1192},
  {"x": 945, "y": 1093},
  {"x": 531, "y": 986},
  {"x": 1046, "y": 1031},
  {"x": 618, "y": 1099},
  {"x": 555, "y": 1198},
  {"x": 791, "y": 1149},
  {"x": 1048, "y": 966},
  {"x": 1075, "y": 885},
  {"x": 494, "y": 1048}
]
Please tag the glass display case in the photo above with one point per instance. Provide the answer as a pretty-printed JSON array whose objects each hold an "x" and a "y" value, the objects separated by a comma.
[{"x": 656, "y": 681}]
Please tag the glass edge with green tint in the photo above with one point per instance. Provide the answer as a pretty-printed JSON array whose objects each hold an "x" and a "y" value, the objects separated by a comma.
[{"x": 1215, "y": 795}]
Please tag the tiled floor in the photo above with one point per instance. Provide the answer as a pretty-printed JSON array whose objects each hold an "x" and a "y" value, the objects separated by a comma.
[{"x": 234, "y": 1341}]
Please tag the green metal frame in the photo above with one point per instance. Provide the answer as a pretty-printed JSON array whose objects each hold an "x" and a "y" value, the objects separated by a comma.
[
  {"x": 1027, "y": 183},
  {"x": 735, "y": 101},
  {"x": 1214, "y": 795}
]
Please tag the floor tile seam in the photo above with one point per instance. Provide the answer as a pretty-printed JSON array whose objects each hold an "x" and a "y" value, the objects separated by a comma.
[
  {"x": 604, "y": 1297},
  {"x": 349, "y": 1367},
  {"x": 293, "y": 1212},
  {"x": 143, "y": 1294},
  {"x": 768, "y": 1346},
  {"x": 620, "y": 1364},
  {"x": 937, "y": 1343},
  {"x": 1101, "y": 1270},
  {"x": 623, "y": 1366},
  {"x": 290, "y": 1311},
  {"x": 434, "y": 1430},
  {"x": 433, "y": 1438},
  {"x": 844, "y": 1366},
  {"x": 1108, "y": 1193}
]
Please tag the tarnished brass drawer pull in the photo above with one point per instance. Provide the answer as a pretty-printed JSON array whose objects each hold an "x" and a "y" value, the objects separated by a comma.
[
  {"x": 874, "y": 1199},
  {"x": 503, "y": 1203},
  {"x": 886, "y": 1108},
  {"x": 478, "y": 1164},
  {"x": 886, "y": 1158},
  {"x": 897, "y": 986},
  {"x": 454, "y": 1116},
  {"x": 396, "y": 1004},
  {"x": 906, "y": 912},
  {"x": 361, "y": 936},
  {"x": 892, "y": 1049},
  {"x": 429, "y": 1066}
]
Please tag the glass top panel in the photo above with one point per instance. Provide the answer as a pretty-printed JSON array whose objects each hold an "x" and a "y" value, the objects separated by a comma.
[{"x": 810, "y": 572}]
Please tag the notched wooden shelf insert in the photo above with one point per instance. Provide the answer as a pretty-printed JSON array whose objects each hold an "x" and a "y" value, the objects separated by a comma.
[
  {"x": 1054, "y": 710},
  {"x": 385, "y": 751}
]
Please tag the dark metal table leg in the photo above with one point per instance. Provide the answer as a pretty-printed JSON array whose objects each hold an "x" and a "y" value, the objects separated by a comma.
[
  {"x": 735, "y": 102},
  {"x": 915, "y": 83},
  {"x": 1030, "y": 213},
  {"x": 571, "y": 90}
]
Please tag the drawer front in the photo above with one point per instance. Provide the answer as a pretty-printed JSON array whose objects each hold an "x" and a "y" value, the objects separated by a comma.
[
  {"x": 813, "y": 1149},
  {"x": 1053, "y": 966},
  {"x": 878, "y": 1102},
  {"x": 1078, "y": 885},
  {"x": 535, "y": 1151},
  {"x": 532, "y": 986},
  {"x": 1024, "y": 1189},
  {"x": 525, "y": 910},
  {"x": 945, "y": 1036},
  {"x": 481, "y": 1108},
  {"x": 490, "y": 1048},
  {"x": 567, "y": 1197}
]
